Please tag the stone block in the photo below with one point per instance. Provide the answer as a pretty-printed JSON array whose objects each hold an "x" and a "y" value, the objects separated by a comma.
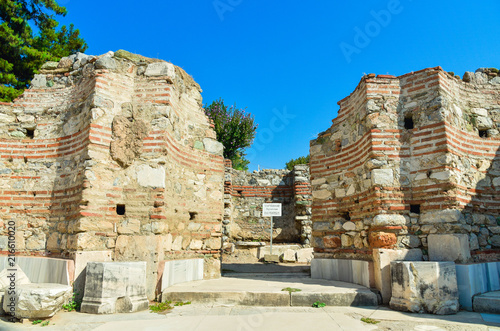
[
  {"x": 424, "y": 287},
  {"x": 81, "y": 259},
  {"x": 305, "y": 255},
  {"x": 389, "y": 220},
  {"x": 382, "y": 177},
  {"x": 181, "y": 271},
  {"x": 36, "y": 301},
  {"x": 289, "y": 256},
  {"x": 115, "y": 287},
  {"x": 382, "y": 259},
  {"x": 272, "y": 258},
  {"x": 105, "y": 62},
  {"x": 449, "y": 247},
  {"x": 350, "y": 271},
  {"x": 160, "y": 69},
  {"x": 150, "y": 177},
  {"x": 442, "y": 216},
  {"x": 213, "y": 146}
]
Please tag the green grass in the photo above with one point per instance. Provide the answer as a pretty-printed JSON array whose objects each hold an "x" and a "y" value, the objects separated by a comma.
[{"x": 369, "y": 320}]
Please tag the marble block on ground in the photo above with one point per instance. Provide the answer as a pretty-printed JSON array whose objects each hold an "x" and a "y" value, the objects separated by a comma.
[
  {"x": 36, "y": 301},
  {"x": 476, "y": 278},
  {"x": 350, "y": 271},
  {"x": 115, "y": 287},
  {"x": 181, "y": 271},
  {"x": 382, "y": 259},
  {"x": 424, "y": 287},
  {"x": 44, "y": 269}
]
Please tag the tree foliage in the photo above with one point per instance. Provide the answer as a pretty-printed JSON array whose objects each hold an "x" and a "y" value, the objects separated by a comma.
[
  {"x": 300, "y": 160},
  {"x": 235, "y": 129},
  {"x": 22, "y": 52}
]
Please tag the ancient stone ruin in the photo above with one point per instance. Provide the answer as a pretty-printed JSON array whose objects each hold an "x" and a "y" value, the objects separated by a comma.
[
  {"x": 112, "y": 158},
  {"x": 410, "y": 169}
]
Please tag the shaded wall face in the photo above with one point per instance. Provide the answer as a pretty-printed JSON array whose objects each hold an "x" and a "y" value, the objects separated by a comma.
[
  {"x": 389, "y": 171},
  {"x": 149, "y": 172}
]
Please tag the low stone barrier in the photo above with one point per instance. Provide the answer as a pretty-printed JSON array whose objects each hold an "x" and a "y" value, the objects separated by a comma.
[
  {"x": 424, "y": 287},
  {"x": 350, "y": 271}
]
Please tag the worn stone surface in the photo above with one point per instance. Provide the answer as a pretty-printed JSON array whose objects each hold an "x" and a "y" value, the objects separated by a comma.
[
  {"x": 115, "y": 287},
  {"x": 289, "y": 256},
  {"x": 382, "y": 259},
  {"x": 37, "y": 301},
  {"x": 424, "y": 287}
]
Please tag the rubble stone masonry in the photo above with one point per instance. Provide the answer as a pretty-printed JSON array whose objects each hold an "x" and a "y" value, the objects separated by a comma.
[
  {"x": 112, "y": 153},
  {"x": 245, "y": 192},
  {"x": 406, "y": 157}
]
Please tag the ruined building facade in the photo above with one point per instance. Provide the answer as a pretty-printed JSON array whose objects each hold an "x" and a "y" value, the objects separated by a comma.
[
  {"x": 408, "y": 157},
  {"x": 112, "y": 154}
]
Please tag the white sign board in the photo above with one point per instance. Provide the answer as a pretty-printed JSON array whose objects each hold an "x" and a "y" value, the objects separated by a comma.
[{"x": 271, "y": 209}]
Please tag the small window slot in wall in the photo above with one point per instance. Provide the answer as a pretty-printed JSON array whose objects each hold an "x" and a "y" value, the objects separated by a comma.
[
  {"x": 120, "y": 209},
  {"x": 30, "y": 133},
  {"x": 192, "y": 215},
  {"x": 345, "y": 215},
  {"x": 409, "y": 122},
  {"x": 483, "y": 133},
  {"x": 415, "y": 209}
]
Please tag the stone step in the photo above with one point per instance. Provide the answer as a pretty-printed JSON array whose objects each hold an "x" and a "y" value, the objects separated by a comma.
[
  {"x": 267, "y": 275},
  {"x": 269, "y": 292},
  {"x": 230, "y": 268},
  {"x": 487, "y": 303}
]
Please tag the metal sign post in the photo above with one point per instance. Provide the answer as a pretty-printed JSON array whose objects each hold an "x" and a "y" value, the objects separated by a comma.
[{"x": 271, "y": 209}]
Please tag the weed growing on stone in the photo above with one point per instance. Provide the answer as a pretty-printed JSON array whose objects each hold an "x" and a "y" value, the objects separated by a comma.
[
  {"x": 177, "y": 304},
  {"x": 45, "y": 323},
  {"x": 73, "y": 304},
  {"x": 318, "y": 304},
  {"x": 369, "y": 320},
  {"x": 160, "y": 307},
  {"x": 291, "y": 289},
  {"x": 35, "y": 322}
]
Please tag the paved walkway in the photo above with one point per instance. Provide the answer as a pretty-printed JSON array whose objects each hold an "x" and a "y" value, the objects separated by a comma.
[{"x": 222, "y": 318}]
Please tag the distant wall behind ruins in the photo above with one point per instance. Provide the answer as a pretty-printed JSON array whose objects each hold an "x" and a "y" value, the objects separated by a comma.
[{"x": 245, "y": 192}]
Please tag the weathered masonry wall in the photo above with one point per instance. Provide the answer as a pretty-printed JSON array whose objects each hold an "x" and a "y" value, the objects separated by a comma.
[
  {"x": 112, "y": 153},
  {"x": 245, "y": 193},
  {"x": 407, "y": 157}
]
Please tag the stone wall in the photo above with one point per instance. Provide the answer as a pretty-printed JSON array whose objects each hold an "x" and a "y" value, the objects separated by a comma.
[
  {"x": 245, "y": 192},
  {"x": 407, "y": 157},
  {"x": 112, "y": 153}
]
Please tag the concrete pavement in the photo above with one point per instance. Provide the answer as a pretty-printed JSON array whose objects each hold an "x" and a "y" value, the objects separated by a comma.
[{"x": 224, "y": 317}]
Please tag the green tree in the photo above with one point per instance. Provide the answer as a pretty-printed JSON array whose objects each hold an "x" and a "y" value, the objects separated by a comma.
[
  {"x": 235, "y": 129},
  {"x": 300, "y": 160},
  {"x": 22, "y": 52}
]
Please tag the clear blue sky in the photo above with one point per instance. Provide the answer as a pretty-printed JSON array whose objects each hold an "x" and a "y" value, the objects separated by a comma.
[{"x": 289, "y": 62}]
